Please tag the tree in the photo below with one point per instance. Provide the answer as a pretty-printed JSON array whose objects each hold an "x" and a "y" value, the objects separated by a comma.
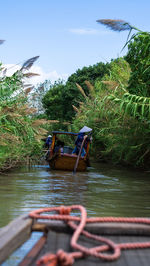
[
  {"x": 60, "y": 98},
  {"x": 91, "y": 73},
  {"x": 36, "y": 96},
  {"x": 138, "y": 57}
]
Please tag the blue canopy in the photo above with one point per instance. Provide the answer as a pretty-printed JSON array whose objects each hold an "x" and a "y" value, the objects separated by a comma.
[{"x": 65, "y": 133}]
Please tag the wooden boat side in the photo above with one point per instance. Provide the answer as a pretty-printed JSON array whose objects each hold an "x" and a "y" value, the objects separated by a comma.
[
  {"x": 14, "y": 235},
  {"x": 67, "y": 162}
]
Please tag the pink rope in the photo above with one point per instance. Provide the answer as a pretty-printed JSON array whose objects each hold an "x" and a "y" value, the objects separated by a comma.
[{"x": 65, "y": 259}]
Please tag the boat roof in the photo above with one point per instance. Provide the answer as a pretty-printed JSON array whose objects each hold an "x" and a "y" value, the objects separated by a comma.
[{"x": 65, "y": 133}]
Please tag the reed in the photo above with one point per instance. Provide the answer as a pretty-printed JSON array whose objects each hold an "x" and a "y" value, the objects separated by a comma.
[
  {"x": 119, "y": 120},
  {"x": 2, "y": 41},
  {"x": 90, "y": 87},
  {"x": 75, "y": 108},
  {"x": 39, "y": 122},
  {"x": 18, "y": 127},
  {"x": 28, "y": 90},
  {"x": 111, "y": 84},
  {"x": 81, "y": 90},
  {"x": 28, "y": 63},
  {"x": 53, "y": 121},
  {"x": 116, "y": 24},
  {"x": 30, "y": 75}
]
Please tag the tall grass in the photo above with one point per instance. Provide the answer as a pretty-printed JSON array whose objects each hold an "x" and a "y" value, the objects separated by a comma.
[
  {"x": 20, "y": 132},
  {"x": 120, "y": 121}
]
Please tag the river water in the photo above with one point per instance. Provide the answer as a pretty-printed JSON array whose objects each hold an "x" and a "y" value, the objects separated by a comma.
[{"x": 104, "y": 190}]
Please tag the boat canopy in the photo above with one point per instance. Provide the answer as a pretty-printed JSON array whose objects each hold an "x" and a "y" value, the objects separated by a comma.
[
  {"x": 85, "y": 129},
  {"x": 65, "y": 133}
]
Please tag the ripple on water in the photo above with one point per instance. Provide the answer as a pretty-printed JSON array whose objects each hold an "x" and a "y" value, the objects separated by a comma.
[{"x": 102, "y": 190}]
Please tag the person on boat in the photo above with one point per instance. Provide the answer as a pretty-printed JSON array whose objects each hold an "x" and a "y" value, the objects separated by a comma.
[
  {"x": 59, "y": 146},
  {"x": 88, "y": 139},
  {"x": 48, "y": 141},
  {"x": 78, "y": 144},
  {"x": 79, "y": 140},
  {"x": 62, "y": 147}
]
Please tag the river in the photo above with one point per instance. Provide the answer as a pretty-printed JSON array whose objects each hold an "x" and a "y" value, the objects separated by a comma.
[{"x": 104, "y": 190}]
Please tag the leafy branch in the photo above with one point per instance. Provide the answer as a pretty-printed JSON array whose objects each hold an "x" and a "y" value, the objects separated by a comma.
[{"x": 132, "y": 104}]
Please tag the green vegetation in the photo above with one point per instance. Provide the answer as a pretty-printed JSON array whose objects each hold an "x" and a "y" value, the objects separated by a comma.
[
  {"x": 115, "y": 102},
  {"x": 20, "y": 132},
  {"x": 60, "y": 98},
  {"x": 120, "y": 114},
  {"x": 111, "y": 98},
  {"x": 138, "y": 57}
]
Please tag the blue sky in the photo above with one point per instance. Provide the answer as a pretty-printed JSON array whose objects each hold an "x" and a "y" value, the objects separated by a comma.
[{"x": 65, "y": 33}]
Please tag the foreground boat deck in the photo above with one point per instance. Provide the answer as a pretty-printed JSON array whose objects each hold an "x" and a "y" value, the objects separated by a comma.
[
  {"x": 57, "y": 235},
  {"x": 56, "y": 241}
]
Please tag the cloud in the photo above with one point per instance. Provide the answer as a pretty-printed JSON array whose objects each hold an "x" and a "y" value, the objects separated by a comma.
[
  {"x": 88, "y": 31},
  {"x": 51, "y": 75}
]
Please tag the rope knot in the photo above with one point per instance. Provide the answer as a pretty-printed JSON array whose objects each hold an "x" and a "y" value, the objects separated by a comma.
[
  {"x": 64, "y": 259},
  {"x": 47, "y": 260},
  {"x": 64, "y": 210}
]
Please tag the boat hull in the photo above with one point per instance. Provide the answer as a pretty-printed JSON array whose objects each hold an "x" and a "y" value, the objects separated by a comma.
[{"x": 67, "y": 162}]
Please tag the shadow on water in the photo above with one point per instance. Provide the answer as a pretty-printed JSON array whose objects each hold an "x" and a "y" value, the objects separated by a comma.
[{"x": 104, "y": 190}]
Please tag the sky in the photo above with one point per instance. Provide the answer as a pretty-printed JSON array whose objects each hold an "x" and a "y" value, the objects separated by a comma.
[{"x": 64, "y": 33}]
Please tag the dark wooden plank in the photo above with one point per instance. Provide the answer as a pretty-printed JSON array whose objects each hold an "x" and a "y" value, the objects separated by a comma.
[
  {"x": 98, "y": 228},
  {"x": 55, "y": 241},
  {"x": 13, "y": 235},
  {"x": 135, "y": 257}
]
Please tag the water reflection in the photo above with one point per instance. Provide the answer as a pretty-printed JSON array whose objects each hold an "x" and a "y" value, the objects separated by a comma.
[{"x": 104, "y": 190}]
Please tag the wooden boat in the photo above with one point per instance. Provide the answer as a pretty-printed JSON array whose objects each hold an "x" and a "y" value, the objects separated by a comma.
[
  {"x": 56, "y": 235},
  {"x": 66, "y": 160}
]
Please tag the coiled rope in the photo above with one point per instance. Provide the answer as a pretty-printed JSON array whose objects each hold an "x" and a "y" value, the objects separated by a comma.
[{"x": 67, "y": 259}]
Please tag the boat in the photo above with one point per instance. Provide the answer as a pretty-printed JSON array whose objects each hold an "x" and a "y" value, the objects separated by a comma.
[
  {"x": 84, "y": 241},
  {"x": 65, "y": 159}
]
